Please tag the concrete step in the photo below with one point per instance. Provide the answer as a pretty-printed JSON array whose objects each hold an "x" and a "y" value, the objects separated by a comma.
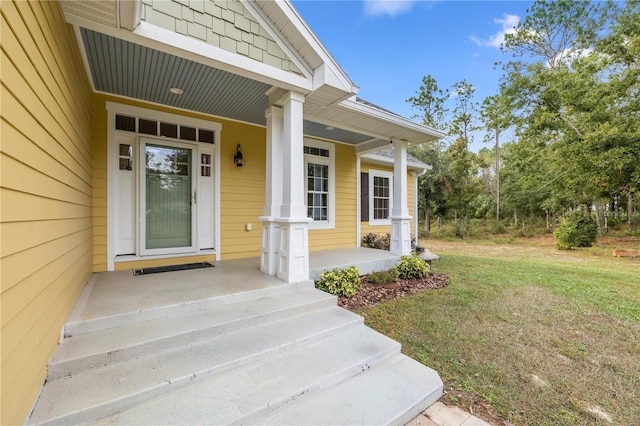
[
  {"x": 392, "y": 392},
  {"x": 77, "y": 325},
  {"x": 247, "y": 395},
  {"x": 114, "y": 387},
  {"x": 117, "y": 344}
]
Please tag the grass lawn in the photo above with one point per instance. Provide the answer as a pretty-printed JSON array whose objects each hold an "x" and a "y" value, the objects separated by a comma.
[{"x": 532, "y": 334}]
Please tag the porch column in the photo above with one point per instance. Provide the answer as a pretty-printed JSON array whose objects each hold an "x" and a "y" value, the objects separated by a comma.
[
  {"x": 273, "y": 191},
  {"x": 293, "y": 251},
  {"x": 400, "y": 219}
]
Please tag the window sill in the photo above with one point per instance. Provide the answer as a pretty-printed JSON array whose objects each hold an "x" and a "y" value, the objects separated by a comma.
[
  {"x": 380, "y": 223},
  {"x": 321, "y": 225}
]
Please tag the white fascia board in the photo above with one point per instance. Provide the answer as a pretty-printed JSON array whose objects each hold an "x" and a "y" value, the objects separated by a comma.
[
  {"x": 380, "y": 159},
  {"x": 391, "y": 118},
  {"x": 339, "y": 78},
  {"x": 154, "y": 37},
  {"x": 283, "y": 43},
  {"x": 129, "y": 12},
  {"x": 85, "y": 60},
  {"x": 343, "y": 126},
  {"x": 371, "y": 146},
  {"x": 326, "y": 75}
]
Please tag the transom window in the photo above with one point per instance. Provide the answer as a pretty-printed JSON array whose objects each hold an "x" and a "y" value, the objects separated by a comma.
[
  {"x": 160, "y": 128},
  {"x": 320, "y": 187}
]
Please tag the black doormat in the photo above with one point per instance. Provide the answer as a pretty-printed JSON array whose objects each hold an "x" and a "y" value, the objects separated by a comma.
[{"x": 183, "y": 267}]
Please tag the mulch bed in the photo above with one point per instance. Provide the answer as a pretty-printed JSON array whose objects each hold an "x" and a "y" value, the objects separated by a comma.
[{"x": 371, "y": 294}]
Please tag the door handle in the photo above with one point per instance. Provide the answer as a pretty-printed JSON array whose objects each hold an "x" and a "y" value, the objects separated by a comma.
[{"x": 195, "y": 196}]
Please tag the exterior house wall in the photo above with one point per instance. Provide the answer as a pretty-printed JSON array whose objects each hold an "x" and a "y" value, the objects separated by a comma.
[
  {"x": 242, "y": 196},
  {"x": 241, "y": 188},
  {"x": 224, "y": 24},
  {"x": 344, "y": 234},
  {"x": 365, "y": 228},
  {"x": 46, "y": 189}
]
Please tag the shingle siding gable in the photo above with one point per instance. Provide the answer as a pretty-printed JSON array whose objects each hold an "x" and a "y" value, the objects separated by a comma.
[{"x": 224, "y": 24}]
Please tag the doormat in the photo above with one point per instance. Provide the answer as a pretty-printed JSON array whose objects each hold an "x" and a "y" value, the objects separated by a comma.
[{"x": 183, "y": 267}]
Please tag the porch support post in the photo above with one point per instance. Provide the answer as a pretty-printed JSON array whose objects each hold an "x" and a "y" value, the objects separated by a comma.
[
  {"x": 293, "y": 250},
  {"x": 273, "y": 191},
  {"x": 400, "y": 219}
]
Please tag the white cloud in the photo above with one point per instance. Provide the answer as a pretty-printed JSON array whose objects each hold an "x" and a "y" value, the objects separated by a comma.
[
  {"x": 387, "y": 7},
  {"x": 508, "y": 26},
  {"x": 567, "y": 56}
]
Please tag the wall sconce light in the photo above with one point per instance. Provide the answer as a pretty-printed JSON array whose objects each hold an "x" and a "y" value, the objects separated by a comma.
[{"x": 238, "y": 160}]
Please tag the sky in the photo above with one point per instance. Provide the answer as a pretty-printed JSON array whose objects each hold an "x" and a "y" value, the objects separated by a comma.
[{"x": 386, "y": 47}]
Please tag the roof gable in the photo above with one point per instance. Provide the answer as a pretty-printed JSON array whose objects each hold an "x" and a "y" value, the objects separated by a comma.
[
  {"x": 228, "y": 25},
  {"x": 264, "y": 40}
]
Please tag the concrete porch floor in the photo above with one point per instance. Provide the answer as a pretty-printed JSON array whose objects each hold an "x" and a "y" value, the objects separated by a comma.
[
  {"x": 121, "y": 293},
  {"x": 367, "y": 260}
]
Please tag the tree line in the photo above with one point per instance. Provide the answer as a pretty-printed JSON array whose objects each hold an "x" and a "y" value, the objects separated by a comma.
[{"x": 569, "y": 102}]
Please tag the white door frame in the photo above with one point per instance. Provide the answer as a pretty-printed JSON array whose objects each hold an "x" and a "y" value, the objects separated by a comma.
[{"x": 114, "y": 108}]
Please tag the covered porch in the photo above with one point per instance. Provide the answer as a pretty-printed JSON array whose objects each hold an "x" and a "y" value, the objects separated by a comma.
[
  {"x": 121, "y": 295},
  {"x": 228, "y": 344}
]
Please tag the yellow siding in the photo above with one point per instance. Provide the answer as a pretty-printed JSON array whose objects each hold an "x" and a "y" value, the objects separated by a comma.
[
  {"x": 99, "y": 165},
  {"x": 242, "y": 190},
  {"x": 365, "y": 228},
  {"x": 46, "y": 193},
  {"x": 344, "y": 234}
]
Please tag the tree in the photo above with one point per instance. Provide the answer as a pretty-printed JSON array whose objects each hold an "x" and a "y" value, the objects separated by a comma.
[
  {"x": 430, "y": 100},
  {"x": 433, "y": 187},
  {"x": 555, "y": 31},
  {"x": 463, "y": 168},
  {"x": 496, "y": 115},
  {"x": 621, "y": 59},
  {"x": 454, "y": 111},
  {"x": 576, "y": 92}
]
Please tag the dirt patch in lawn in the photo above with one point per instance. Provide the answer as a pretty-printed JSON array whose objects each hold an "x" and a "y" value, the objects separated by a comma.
[
  {"x": 470, "y": 402},
  {"x": 372, "y": 294}
]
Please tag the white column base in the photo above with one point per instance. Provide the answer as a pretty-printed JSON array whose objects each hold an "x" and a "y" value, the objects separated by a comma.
[
  {"x": 400, "y": 235},
  {"x": 293, "y": 250},
  {"x": 270, "y": 245}
]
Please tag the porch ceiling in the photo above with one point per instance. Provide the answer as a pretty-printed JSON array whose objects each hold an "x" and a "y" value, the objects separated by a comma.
[
  {"x": 124, "y": 68},
  {"x": 127, "y": 69}
]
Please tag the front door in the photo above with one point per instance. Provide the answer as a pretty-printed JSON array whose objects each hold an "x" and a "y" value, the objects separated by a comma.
[{"x": 167, "y": 197}]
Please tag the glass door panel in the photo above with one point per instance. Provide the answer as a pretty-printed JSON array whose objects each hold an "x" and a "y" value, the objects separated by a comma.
[{"x": 167, "y": 198}]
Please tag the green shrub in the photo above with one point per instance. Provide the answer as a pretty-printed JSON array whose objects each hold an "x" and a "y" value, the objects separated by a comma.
[
  {"x": 382, "y": 277},
  {"x": 376, "y": 241},
  {"x": 411, "y": 267},
  {"x": 341, "y": 282},
  {"x": 575, "y": 230}
]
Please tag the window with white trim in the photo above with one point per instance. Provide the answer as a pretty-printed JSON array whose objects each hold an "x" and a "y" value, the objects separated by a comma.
[
  {"x": 319, "y": 166},
  {"x": 380, "y": 197}
]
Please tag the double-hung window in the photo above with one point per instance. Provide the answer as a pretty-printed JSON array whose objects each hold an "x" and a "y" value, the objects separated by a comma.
[
  {"x": 319, "y": 165},
  {"x": 380, "y": 197}
]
